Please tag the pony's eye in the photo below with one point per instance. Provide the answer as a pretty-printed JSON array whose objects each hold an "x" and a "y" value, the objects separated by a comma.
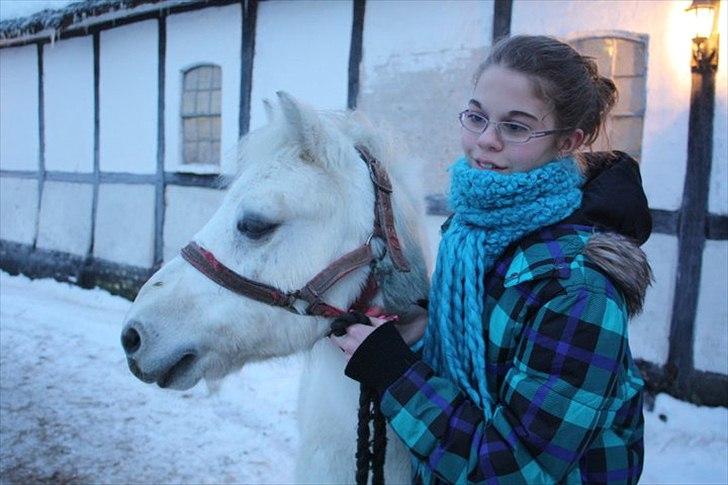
[{"x": 254, "y": 226}]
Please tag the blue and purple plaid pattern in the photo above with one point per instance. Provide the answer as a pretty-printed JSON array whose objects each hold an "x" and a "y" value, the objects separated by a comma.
[{"x": 568, "y": 395}]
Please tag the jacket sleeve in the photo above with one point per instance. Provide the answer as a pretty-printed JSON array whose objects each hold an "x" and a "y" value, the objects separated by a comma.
[{"x": 558, "y": 395}]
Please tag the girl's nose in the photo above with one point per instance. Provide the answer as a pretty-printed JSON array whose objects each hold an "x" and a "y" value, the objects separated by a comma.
[{"x": 490, "y": 139}]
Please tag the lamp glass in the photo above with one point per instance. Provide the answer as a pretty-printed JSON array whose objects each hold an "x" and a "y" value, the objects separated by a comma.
[{"x": 702, "y": 21}]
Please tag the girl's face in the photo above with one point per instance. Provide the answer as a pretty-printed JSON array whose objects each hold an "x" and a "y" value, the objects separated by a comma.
[{"x": 503, "y": 94}]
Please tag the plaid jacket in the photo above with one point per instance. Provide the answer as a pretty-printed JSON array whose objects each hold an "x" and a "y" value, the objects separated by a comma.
[{"x": 568, "y": 395}]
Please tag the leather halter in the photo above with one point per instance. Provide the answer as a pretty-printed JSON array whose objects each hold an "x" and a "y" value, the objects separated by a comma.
[{"x": 310, "y": 295}]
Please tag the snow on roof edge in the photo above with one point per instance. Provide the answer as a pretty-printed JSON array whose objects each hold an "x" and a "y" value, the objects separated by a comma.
[{"x": 74, "y": 15}]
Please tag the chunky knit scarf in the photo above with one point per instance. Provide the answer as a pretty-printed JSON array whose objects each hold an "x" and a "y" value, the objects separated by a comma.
[{"x": 491, "y": 210}]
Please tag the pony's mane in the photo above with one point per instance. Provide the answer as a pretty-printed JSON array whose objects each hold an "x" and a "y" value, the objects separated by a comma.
[{"x": 399, "y": 290}]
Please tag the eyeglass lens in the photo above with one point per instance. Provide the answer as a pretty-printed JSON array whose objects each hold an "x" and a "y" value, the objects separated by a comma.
[{"x": 477, "y": 123}]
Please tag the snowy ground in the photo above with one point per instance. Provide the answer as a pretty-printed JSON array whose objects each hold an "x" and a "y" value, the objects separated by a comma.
[{"x": 71, "y": 411}]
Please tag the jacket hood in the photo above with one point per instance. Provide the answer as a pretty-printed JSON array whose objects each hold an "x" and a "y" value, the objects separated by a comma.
[
  {"x": 625, "y": 264},
  {"x": 613, "y": 197}
]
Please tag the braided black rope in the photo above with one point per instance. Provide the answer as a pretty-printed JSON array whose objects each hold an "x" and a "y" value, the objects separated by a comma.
[
  {"x": 363, "y": 455},
  {"x": 379, "y": 444},
  {"x": 369, "y": 453}
]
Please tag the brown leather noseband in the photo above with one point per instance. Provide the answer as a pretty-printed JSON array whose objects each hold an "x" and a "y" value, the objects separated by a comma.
[{"x": 308, "y": 300}]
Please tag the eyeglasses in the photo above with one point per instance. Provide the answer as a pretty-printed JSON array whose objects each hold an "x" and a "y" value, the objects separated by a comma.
[{"x": 509, "y": 131}]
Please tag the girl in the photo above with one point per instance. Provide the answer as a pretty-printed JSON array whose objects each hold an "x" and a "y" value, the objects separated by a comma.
[{"x": 525, "y": 373}]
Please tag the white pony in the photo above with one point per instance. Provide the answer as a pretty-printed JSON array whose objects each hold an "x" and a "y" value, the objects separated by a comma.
[{"x": 302, "y": 199}]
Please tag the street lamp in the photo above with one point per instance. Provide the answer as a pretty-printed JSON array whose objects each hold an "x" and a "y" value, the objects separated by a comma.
[{"x": 704, "y": 16}]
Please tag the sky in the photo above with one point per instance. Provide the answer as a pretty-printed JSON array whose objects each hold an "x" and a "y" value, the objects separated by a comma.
[
  {"x": 10, "y": 9},
  {"x": 70, "y": 410}
]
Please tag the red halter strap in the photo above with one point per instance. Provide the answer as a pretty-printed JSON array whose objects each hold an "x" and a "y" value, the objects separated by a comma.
[{"x": 206, "y": 263}]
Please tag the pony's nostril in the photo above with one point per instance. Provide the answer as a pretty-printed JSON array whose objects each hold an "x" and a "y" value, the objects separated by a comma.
[{"x": 130, "y": 340}]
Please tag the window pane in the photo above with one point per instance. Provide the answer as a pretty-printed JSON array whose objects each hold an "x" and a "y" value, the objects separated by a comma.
[
  {"x": 204, "y": 152},
  {"x": 216, "y": 125},
  {"x": 203, "y": 128},
  {"x": 216, "y": 153},
  {"x": 204, "y": 79},
  {"x": 190, "y": 153},
  {"x": 190, "y": 129},
  {"x": 631, "y": 95},
  {"x": 601, "y": 50},
  {"x": 190, "y": 80},
  {"x": 216, "y": 102},
  {"x": 203, "y": 102},
  {"x": 630, "y": 58},
  {"x": 216, "y": 77},
  {"x": 627, "y": 134},
  {"x": 188, "y": 103}
]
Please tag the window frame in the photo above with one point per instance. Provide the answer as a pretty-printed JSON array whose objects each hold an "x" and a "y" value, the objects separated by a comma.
[
  {"x": 638, "y": 38},
  {"x": 197, "y": 168}
]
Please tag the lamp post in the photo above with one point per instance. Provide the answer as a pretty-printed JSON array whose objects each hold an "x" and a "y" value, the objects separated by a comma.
[{"x": 693, "y": 218}]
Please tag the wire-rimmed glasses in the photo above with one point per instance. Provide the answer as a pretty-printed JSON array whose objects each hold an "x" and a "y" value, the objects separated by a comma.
[{"x": 509, "y": 131}]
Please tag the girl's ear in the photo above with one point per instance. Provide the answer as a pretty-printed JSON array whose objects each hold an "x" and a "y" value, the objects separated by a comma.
[{"x": 571, "y": 142}]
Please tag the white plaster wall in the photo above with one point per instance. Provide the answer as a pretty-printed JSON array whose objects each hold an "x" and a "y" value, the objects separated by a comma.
[
  {"x": 188, "y": 209},
  {"x": 19, "y": 108},
  {"x": 211, "y": 35},
  {"x": 68, "y": 96},
  {"x": 649, "y": 332},
  {"x": 18, "y": 209},
  {"x": 418, "y": 36},
  {"x": 718, "y": 197},
  {"x": 128, "y": 98},
  {"x": 65, "y": 217},
  {"x": 417, "y": 64},
  {"x": 301, "y": 47},
  {"x": 124, "y": 230},
  {"x": 664, "y": 146},
  {"x": 711, "y": 320}
]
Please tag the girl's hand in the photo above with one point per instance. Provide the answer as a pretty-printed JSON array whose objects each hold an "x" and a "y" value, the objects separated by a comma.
[{"x": 357, "y": 333}]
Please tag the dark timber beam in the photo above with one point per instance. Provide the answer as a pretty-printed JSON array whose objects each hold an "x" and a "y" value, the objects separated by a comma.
[
  {"x": 502, "y": 10},
  {"x": 355, "y": 52},
  {"x": 249, "y": 13}
]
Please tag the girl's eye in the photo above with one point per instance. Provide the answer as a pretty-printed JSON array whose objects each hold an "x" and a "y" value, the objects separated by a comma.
[
  {"x": 515, "y": 128},
  {"x": 255, "y": 226},
  {"x": 476, "y": 118}
]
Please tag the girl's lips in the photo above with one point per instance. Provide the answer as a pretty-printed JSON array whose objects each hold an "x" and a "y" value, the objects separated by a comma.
[{"x": 486, "y": 165}]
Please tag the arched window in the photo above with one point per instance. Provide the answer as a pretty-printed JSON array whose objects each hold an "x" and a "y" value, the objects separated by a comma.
[
  {"x": 624, "y": 60},
  {"x": 201, "y": 120}
]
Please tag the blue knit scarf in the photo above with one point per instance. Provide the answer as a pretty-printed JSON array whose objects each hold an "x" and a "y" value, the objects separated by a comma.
[{"x": 491, "y": 210}]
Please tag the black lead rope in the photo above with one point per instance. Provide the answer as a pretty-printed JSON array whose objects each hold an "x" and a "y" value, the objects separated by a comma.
[{"x": 369, "y": 452}]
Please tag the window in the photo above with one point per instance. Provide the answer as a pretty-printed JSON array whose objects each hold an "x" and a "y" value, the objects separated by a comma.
[
  {"x": 201, "y": 101},
  {"x": 624, "y": 60}
]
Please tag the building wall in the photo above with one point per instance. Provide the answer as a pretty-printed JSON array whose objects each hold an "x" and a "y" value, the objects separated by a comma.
[
  {"x": 416, "y": 77},
  {"x": 68, "y": 96},
  {"x": 286, "y": 35},
  {"x": 19, "y": 128},
  {"x": 128, "y": 98},
  {"x": 121, "y": 195}
]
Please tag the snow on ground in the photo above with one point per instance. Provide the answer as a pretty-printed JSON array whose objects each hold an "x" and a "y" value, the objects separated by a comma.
[{"x": 71, "y": 411}]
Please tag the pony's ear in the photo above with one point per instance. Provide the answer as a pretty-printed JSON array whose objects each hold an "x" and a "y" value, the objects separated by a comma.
[
  {"x": 305, "y": 127},
  {"x": 269, "y": 110}
]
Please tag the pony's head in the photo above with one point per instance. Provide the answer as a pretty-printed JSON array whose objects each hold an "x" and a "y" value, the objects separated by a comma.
[{"x": 302, "y": 199}]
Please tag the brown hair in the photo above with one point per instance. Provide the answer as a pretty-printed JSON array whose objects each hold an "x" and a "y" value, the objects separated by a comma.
[{"x": 570, "y": 82}]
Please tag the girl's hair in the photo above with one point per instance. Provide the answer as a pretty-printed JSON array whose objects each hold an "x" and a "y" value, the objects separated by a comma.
[{"x": 581, "y": 98}]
